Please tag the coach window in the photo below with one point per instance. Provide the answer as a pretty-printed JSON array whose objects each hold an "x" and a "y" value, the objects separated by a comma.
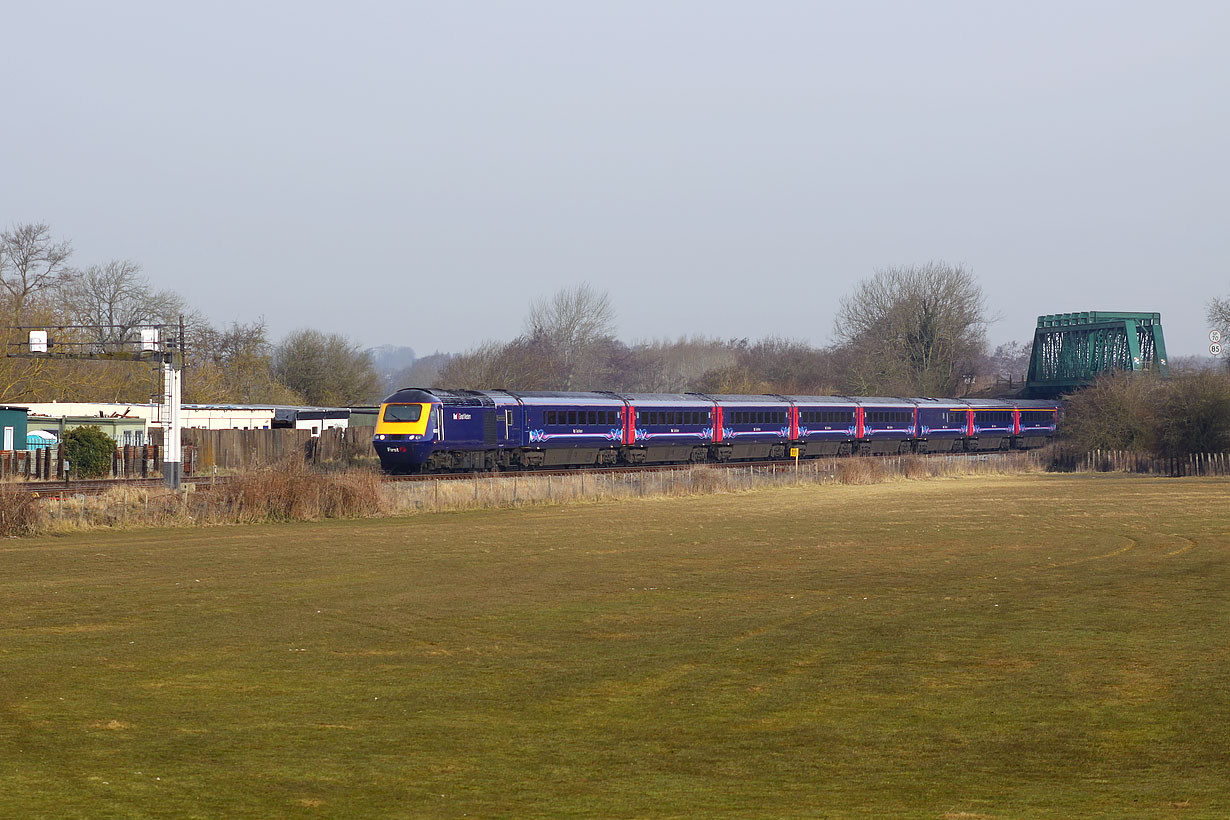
[{"x": 572, "y": 417}]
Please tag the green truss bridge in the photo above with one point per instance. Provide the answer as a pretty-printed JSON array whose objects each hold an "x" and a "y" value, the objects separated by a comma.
[{"x": 1072, "y": 349}]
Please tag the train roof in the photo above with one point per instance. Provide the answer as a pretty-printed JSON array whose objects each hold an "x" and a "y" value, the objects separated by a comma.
[
  {"x": 746, "y": 398},
  {"x": 881, "y": 401},
  {"x": 990, "y": 404},
  {"x": 550, "y": 398},
  {"x": 667, "y": 399},
  {"x": 844, "y": 401},
  {"x": 492, "y": 398}
]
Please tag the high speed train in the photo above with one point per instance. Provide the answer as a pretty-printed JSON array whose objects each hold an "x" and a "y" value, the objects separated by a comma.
[{"x": 434, "y": 430}]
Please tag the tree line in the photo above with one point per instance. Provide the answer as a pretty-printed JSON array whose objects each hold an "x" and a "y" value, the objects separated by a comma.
[
  {"x": 101, "y": 305},
  {"x": 917, "y": 330}
]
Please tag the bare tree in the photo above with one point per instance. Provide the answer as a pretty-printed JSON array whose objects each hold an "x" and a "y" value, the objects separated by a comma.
[
  {"x": 521, "y": 364},
  {"x": 913, "y": 329},
  {"x": 234, "y": 364},
  {"x": 326, "y": 369},
  {"x": 1010, "y": 361},
  {"x": 112, "y": 300},
  {"x": 30, "y": 261},
  {"x": 1219, "y": 315},
  {"x": 572, "y": 324}
]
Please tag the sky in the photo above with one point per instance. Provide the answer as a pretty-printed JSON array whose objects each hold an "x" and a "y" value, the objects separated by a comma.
[{"x": 413, "y": 173}]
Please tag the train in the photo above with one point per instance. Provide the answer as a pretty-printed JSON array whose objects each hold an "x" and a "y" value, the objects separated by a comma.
[{"x": 430, "y": 430}]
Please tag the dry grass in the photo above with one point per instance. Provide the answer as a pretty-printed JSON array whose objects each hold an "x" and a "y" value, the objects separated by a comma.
[
  {"x": 515, "y": 490},
  {"x": 19, "y": 513},
  {"x": 291, "y": 491}
]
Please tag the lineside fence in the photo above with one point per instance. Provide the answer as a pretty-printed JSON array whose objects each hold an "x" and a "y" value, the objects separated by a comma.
[
  {"x": 223, "y": 452},
  {"x": 49, "y": 464},
  {"x": 227, "y": 451},
  {"x": 208, "y": 452},
  {"x": 1126, "y": 461}
]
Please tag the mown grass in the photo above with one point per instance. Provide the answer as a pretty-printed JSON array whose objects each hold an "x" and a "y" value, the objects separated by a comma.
[{"x": 1001, "y": 647}]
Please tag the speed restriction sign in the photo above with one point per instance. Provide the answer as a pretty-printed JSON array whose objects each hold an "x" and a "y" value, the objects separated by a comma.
[
  {"x": 1215, "y": 349},
  {"x": 1214, "y": 336}
]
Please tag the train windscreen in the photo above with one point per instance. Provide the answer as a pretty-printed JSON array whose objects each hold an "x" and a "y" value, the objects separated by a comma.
[{"x": 403, "y": 412}]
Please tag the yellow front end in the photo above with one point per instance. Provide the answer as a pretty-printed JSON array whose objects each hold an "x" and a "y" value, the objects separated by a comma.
[
  {"x": 403, "y": 437},
  {"x": 403, "y": 420}
]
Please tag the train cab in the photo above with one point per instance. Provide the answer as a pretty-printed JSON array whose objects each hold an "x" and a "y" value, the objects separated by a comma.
[{"x": 406, "y": 430}]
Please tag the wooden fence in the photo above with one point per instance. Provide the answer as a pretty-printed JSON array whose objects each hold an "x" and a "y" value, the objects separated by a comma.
[
  {"x": 210, "y": 451},
  {"x": 207, "y": 452},
  {"x": 233, "y": 450},
  {"x": 47, "y": 464},
  {"x": 1126, "y": 461}
]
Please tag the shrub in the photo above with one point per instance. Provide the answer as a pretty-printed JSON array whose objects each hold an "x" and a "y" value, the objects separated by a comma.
[
  {"x": 1195, "y": 415},
  {"x": 1188, "y": 413},
  {"x": 1117, "y": 412},
  {"x": 89, "y": 450}
]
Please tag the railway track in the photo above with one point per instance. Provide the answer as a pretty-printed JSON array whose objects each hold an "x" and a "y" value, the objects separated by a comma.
[{"x": 96, "y": 486}]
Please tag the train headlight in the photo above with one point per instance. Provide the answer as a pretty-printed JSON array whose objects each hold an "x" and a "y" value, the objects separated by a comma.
[{"x": 380, "y": 437}]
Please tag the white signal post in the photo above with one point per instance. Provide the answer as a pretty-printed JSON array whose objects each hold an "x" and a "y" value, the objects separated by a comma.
[
  {"x": 168, "y": 415},
  {"x": 158, "y": 343}
]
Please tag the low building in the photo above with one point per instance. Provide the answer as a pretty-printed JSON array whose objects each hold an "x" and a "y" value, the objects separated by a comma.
[
  {"x": 126, "y": 431},
  {"x": 313, "y": 418},
  {"x": 13, "y": 421},
  {"x": 205, "y": 416}
]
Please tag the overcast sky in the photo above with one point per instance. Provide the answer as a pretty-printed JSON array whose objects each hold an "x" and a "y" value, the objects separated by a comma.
[{"x": 415, "y": 173}]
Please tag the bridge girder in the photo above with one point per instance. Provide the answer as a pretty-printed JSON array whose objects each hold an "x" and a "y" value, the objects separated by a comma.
[{"x": 1072, "y": 349}]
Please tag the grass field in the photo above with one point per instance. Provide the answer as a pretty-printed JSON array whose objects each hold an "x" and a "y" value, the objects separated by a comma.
[{"x": 1003, "y": 647}]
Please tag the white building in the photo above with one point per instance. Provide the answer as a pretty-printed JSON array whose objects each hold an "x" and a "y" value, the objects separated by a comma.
[{"x": 208, "y": 416}]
